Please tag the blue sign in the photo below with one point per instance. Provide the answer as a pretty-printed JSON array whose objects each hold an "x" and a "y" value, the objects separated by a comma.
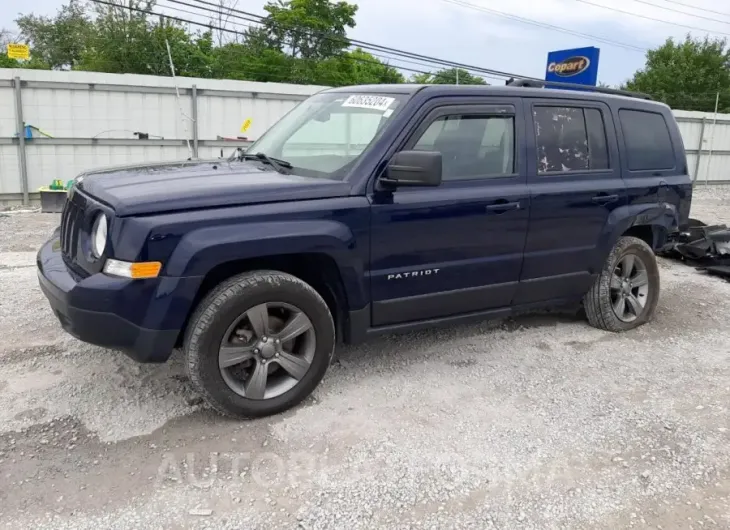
[{"x": 579, "y": 66}]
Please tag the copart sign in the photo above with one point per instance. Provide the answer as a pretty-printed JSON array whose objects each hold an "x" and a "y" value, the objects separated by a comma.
[{"x": 570, "y": 66}]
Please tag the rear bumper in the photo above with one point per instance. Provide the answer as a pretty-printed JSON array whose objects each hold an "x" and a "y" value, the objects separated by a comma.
[{"x": 100, "y": 309}]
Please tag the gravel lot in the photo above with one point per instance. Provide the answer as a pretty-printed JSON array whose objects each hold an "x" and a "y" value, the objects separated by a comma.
[{"x": 538, "y": 422}]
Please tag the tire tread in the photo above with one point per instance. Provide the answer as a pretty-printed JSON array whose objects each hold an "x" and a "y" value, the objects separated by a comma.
[
  {"x": 597, "y": 301},
  {"x": 210, "y": 307}
]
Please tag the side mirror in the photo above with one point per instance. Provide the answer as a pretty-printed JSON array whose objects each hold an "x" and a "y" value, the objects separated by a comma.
[{"x": 414, "y": 168}]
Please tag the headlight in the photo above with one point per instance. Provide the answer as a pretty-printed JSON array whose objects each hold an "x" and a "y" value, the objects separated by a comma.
[{"x": 98, "y": 235}]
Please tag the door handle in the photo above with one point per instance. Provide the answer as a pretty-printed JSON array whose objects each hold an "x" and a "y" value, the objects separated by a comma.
[
  {"x": 502, "y": 207},
  {"x": 604, "y": 199}
]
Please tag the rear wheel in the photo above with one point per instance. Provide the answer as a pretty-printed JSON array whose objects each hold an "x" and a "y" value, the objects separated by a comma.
[
  {"x": 259, "y": 344},
  {"x": 626, "y": 293}
]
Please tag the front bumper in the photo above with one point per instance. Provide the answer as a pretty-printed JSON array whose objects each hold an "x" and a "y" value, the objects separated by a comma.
[{"x": 143, "y": 318}]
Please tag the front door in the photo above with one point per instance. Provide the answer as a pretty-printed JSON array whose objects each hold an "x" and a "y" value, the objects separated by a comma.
[
  {"x": 456, "y": 248},
  {"x": 575, "y": 183}
]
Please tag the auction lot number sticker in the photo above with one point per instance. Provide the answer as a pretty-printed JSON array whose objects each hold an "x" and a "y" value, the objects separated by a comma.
[{"x": 364, "y": 101}]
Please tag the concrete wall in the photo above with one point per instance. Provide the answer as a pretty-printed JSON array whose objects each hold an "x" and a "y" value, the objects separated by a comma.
[{"x": 93, "y": 117}]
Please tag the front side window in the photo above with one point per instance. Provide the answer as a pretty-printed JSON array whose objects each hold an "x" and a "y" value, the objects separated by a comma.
[
  {"x": 472, "y": 146},
  {"x": 324, "y": 135},
  {"x": 570, "y": 139}
]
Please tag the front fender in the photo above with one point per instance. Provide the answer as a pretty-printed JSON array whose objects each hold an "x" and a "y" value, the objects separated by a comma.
[
  {"x": 200, "y": 250},
  {"x": 662, "y": 218}
]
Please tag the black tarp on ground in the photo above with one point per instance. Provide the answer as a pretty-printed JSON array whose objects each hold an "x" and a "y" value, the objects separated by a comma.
[{"x": 704, "y": 247}]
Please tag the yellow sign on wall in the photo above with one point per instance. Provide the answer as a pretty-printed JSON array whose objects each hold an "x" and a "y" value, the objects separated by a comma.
[
  {"x": 19, "y": 51},
  {"x": 246, "y": 125}
]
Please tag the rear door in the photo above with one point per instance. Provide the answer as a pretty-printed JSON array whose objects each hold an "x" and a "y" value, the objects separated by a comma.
[
  {"x": 575, "y": 184},
  {"x": 456, "y": 248}
]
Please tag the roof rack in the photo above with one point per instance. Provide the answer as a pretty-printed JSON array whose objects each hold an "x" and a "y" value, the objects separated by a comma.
[{"x": 536, "y": 83}]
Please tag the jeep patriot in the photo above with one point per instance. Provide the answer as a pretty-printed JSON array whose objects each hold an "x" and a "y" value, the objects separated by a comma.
[{"x": 368, "y": 210}]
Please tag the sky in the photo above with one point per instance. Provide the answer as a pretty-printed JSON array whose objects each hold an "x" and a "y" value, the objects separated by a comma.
[{"x": 513, "y": 36}]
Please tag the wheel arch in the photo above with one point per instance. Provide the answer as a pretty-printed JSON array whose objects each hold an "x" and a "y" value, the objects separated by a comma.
[{"x": 319, "y": 270}]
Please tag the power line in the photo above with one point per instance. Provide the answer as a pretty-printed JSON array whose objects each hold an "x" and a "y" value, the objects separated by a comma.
[
  {"x": 387, "y": 57},
  {"x": 545, "y": 25},
  {"x": 726, "y": 14},
  {"x": 188, "y": 21},
  {"x": 651, "y": 18},
  {"x": 430, "y": 63},
  {"x": 681, "y": 12},
  {"x": 356, "y": 59},
  {"x": 370, "y": 46}
]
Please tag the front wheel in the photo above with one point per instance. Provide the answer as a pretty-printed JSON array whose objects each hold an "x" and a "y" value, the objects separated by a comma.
[
  {"x": 626, "y": 293},
  {"x": 259, "y": 344}
]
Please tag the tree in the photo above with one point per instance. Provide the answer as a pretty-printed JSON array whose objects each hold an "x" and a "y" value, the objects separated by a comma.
[
  {"x": 304, "y": 41},
  {"x": 365, "y": 69},
  {"x": 300, "y": 41},
  {"x": 57, "y": 42},
  {"x": 134, "y": 42},
  {"x": 687, "y": 74},
  {"x": 241, "y": 61},
  {"x": 309, "y": 29},
  {"x": 34, "y": 63},
  {"x": 448, "y": 76},
  {"x": 421, "y": 79}
]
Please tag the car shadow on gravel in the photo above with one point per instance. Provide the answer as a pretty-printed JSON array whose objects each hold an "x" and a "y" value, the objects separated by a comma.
[{"x": 418, "y": 340}]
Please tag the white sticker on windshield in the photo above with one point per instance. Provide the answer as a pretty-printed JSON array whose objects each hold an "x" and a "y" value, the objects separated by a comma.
[{"x": 368, "y": 102}]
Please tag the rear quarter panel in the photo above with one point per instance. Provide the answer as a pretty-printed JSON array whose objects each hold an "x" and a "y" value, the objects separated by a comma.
[{"x": 660, "y": 198}]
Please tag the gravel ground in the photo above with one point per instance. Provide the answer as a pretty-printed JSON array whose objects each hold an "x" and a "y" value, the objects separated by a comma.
[{"x": 538, "y": 422}]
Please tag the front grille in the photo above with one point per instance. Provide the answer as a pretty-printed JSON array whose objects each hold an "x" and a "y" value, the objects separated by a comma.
[
  {"x": 78, "y": 210},
  {"x": 71, "y": 222}
]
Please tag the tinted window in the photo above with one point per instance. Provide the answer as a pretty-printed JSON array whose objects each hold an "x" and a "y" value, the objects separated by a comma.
[
  {"x": 472, "y": 146},
  {"x": 647, "y": 139},
  {"x": 570, "y": 139},
  {"x": 597, "y": 148}
]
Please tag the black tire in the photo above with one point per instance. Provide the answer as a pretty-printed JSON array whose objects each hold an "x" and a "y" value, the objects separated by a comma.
[
  {"x": 221, "y": 307},
  {"x": 597, "y": 301}
]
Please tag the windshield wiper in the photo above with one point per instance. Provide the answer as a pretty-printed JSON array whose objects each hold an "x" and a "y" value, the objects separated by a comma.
[{"x": 276, "y": 163}]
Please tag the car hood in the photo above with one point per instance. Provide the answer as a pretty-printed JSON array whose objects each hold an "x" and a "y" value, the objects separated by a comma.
[{"x": 174, "y": 186}]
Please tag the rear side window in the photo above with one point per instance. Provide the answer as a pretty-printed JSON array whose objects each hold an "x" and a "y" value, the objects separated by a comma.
[
  {"x": 647, "y": 139},
  {"x": 570, "y": 139}
]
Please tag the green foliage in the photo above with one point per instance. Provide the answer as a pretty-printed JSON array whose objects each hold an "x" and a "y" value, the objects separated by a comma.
[
  {"x": 299, "y": 41},
  {"x": 58, "y": 42},
  {"x": 309, "y": 29},
  {"x": 687, "y": 75},
  {"x": 448, "y": 76},
  {"x": 34, "y": 63},
  {"x": 133, "y": 42}
]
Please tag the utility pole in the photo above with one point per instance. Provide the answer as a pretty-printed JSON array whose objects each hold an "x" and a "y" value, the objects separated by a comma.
[{"x": 457, "y": 76}]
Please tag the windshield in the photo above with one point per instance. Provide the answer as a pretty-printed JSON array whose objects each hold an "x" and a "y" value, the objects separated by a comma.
[{"x": 325, "y": 134}]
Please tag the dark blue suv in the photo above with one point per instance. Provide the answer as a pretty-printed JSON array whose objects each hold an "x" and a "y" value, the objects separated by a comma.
[{"x": 370, "y": 210}]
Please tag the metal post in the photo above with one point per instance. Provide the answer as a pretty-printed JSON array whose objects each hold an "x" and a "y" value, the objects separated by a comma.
[
  {"x": 195, "y": 121},
  {"x": 177, "y": 95},
  {"x": 20, "y": 127},
  {"x": 712, "y": 139},
  {"x": 699, "y": 149}
]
